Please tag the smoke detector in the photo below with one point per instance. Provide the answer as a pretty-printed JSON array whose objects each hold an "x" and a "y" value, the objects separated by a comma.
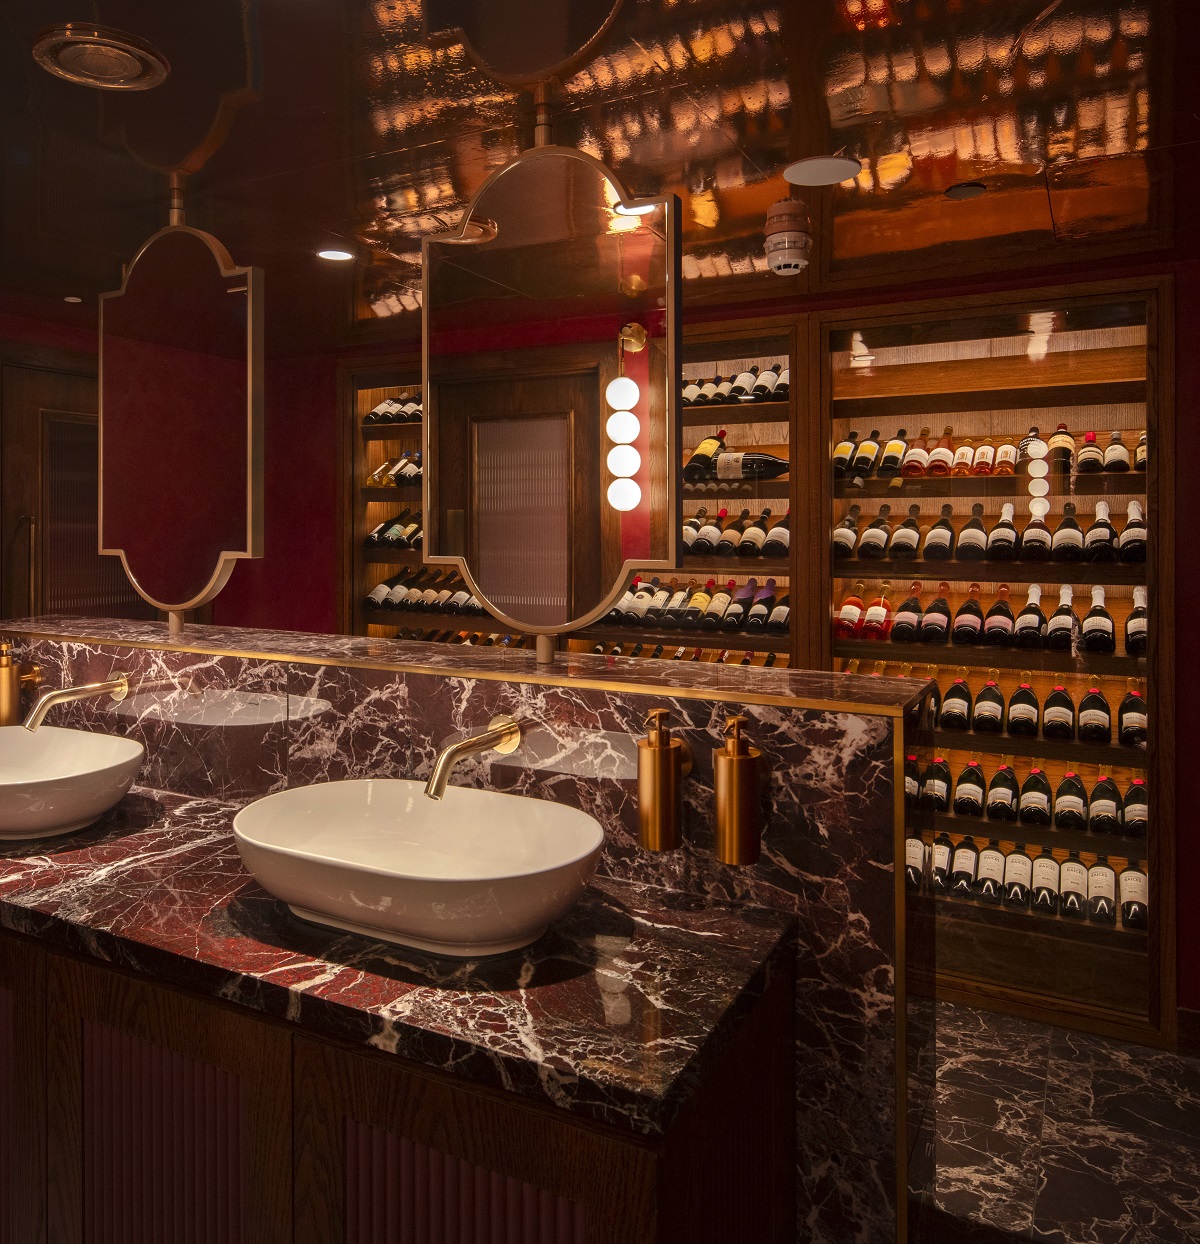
[{"x": 100, "y": 57}]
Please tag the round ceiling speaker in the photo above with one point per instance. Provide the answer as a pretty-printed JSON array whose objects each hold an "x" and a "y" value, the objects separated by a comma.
[
  {"x": 100, "y": 57},
  {"x": 822, "y": 170}
]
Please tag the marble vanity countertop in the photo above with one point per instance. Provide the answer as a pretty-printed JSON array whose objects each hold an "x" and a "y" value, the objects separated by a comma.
[
  {"x": 613, "y": 1015},
  {"x": 819, "y": 689}
]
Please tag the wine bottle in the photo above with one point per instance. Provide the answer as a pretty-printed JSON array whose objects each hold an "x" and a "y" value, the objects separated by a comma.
[
  {"x": 779, "y": 538},
  {"x": 988, "y": 714},
  {"x": 677, "y": 605},
  {"x": 848, "y": 622},
  {"x": 1137, "y": 809},
  {"x": 845, "y": 534},
  {"x": 877, "y": 620},
  {"x": 708, "y": 536},
  {"x": 1116, "y": 453},
  {"x": 939, "y": 864},
  {"x": 1073, "y": 883},
  {"x": 906, "y": 624},
  {"x": 1071, "y": 803},
  {"x": 659, "y": 602},
  {"x": 1062, "y": 451},
  {"x": 939, "y": 539},
  {"x": 1136, "y": 625},
  {"x": 1018, "y": 877},
  {"x": 459, "y": 601},
  {"x": 783, "y": 386},
  {"x": 721, "y": 396},
  {"x": 743, "y": 384},
  {"x": 912, "y": 782},
  {"x": 404, "y": 535},
  {"x": 1058, "y": 715},
  {"x": 935, "y": 789},
  {"x": 376, "y": 596},
  {"x": 692, "y": 528},
  {"x": 378, "y": 413},
  {"x": 934, "y": 702},
  {"x": 843, "y": 453},
  {"x": 1131, "y": 545},
  {"x": 1029, "y": 629},
  {"x": 1099, "y": 634},
  {"x": 1003, "y": 793},
  {"x": 374, "y": 537},
  {"x": 1141, "y": 453},
  {"x": 964, "y": 455},
  {"x": 906, "y": 537},
  {"x": 698, "y": 603},
  {"x": 969, "y": 790},
  {"x": 635, "y": 651},
  {"x": 1034, "y": 805},
  {"x": 691, "y": 390},
  {"x": 1036, "y": 540},
  {"x": 731, "y": 536},
  {"x": 962, "y": 869},
  {"x": 408, "y": 469},
  {"x": 777, "y": 620},
  {"x": 892, "y": 456},
  {"x": 635, "y": 611},
  {"x": 998, "y": 623},
  {"x": 985, "y": 457},
  {"x": 1100, "y": 539},
  {"x": 377, "y": 476},
  {"x": 972, "y": 540},
  {"x": 1060, "y": 629},
  {"x": 754, "y": 536},
  {"x": 1102, "y": 892},
  {"x": 1067, "y": 545},
  {"x": 1091, "y": 456},
  {"x": 1132, "y": 719},
  {"x": 708, "y": 390},
  {"x": 1134, "y": 891},
  {"x": 1031, "y": 449},
  {"x": 1046, "y": 879},
  {"x": 916, "y": 456},
  {"x": 699, "y": 466},
  {"x": 1095, "y": 718},
  {"x": 935, "y": 625},
  {"x": 865, "y": 457},
  {"x": 941, "y": 457},
  {"x": 1105, "y": 808},
  {"x": 989, "y": 873},
  {"x": 720, "y": 602},
  {"x": 968, "y": 620},
  {"x": 956, "y": 705},
  {"x": 749, "y": 464},
  {"x": 1006, "y": 457},
  {"x": 874, "y": 541},
  {"x": 914, "y": 862},
  {"x": 760, "y": 608},
  {"x": 1002, "y": 540},
  {"x": 765, "y": 384},
  {"x": 743, "y": 597},
  {"x": 1024, "y": 712}
]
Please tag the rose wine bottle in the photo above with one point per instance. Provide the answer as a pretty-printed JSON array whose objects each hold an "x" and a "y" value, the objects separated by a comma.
[
  {"x": 1071, "y": 803},
  {"x": 1105, "y": 808},
  {"x": 1102, "y": 892},
  {"x": 1095, "y": 718},
  {"x": 1034, "y": 805},
  {"x": 939, "y": 539},
  {"x": 893, "y": 455},
  {"x": 1116, "y": 453},
  {"x": 906, "y": 537},
  {"x": 998, "y": 623},
  {"x": 1099, "y": 634},
  {"x": 972, "y": 540},
  {"x": 935, "y": 624},
  {"x": 1060, "y": 629},
  {"x": 1002, "y": 540},
  {"x": 1141, "y": 453},
  {"x": 988, "y": 715},
  {"x": 906, "y": 624},
  {"x": 843, "y": 454},
  {"x": 1100, "y": 539},
  {"x": 1058, "y": 715},
  {"x": 964, "y": 455},
  {"x": 963, "y": 868},
  {"x": 1131, "y": 545},
  {"x": 1029, "y": 629},
  {"x": 1090, "y": 460},
  {"x": 956, "y": 706},
  {"x": 1046, "y": 879},
  {"x": 1132, "y": 719},
  {"x": 969, "y": 790},
  {"x": 1067, "y": 545},
  {"x": 1137, "y": 809},
  {"x": 754, "y": 536},
  {"x": 1006, "y": 457},
  {"x": 985, "y": 457},
  {"x": 845, "y": 535},
  {"x": 699, "y": 466},
  {"x": 939, "y": 864},
  {"x": 916, "y": 457},
  {"x": 848, "y": 622},
  {"x": 941, "y": 457},
  {"x": 968, "y": 621},
  {"x": 707, "y": 535},
  {"x": 1072, "y": 898},
  {"x": 779, "y": 538},
  {"x": 1018, "y": 877},
  {"x": 989, "y": 873},
  {"x": 1024, "y": 712},
  {"x": 1003, "y": 793},
  {"x": 877, "y": 621},
  {"x": 1136, "y": 625},
  {"x": 1134, "y": 891}
]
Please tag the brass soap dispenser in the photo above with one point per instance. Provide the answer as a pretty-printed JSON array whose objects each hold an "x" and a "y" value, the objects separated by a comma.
[
  {"x": 663, "y": 763},
  {"x": 12, "y": 678},
  {"x": 737, "y": 784}
]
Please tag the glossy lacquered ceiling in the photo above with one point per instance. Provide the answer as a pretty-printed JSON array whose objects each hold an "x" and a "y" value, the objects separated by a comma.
[{"x": 368, "y": 124}]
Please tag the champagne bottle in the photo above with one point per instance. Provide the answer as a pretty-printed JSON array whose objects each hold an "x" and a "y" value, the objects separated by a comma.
[
  {"x": 906, "y": 624},
  {"x": 848, "y": 622},
  {"x": 941, "y": 457},
  {"x": 1024, "y": 712},
  {"x": 939, "y": 539},
  {"x": 1058, "y": 715},
  {"x": 765, "y": 385},
  {"x": 969, "y": 790},
  {"x": 749, "y": 464},
  {"x": 1116, "y": 454},
  {"x": 1137, "y": 809},
  {"x": 1100, "y": 539},
  {"x": 697, "y": 605},
  {"x": 1029, "y": 629},
  {"x": 672, "y": 615},
  {"x": 1102, "y": 892},
  {"x": 720, "y": 602},
  {"x": 874, "y": 541},
  {"x": 988, "y": 714},
  {"x": 708, "y": 535},
  {"x": 1091, "y": 456},
  {"x": 1006, "y": 457},
  {"x": 865, "y": 457},
  {"x": 845, "y": 534},
  {"x": 731, "y": 537},
  {"x": 912, "y": 782},
  {"x": 1067, "y": 545},
  {"x": 1134, "y": 891},
  {"x": 659, "y": 602},
  {"x": 1062, "y": 451},
  {"x": 998, "y": 623},
  {"x": 754, "y": 536},
  {"x": 1095, "y": 718},
  {"x": 916, "y": 456},
  {"x": 1105, "y": 808},
  {"x": 935, "y": 625},
  {"x": 1046, "y": 879},
  {"x": 914, "y": 862},
  {"x": 779, "y": 538},
  {"x": 1060, "y": 629},
  {"x": 964, "y": 455},
  {"x": 1132, "y": 718},
  {"x": 1136, "y": 625},
  {"x": 692, "y": 528},
  {"x": 743, "y": 384},
  {"x": 985, "y": 457},
  {"x": 893, "y": 455},
  {"x": 1018, "y": 877},
  {"x": 1099, "y": 634},
  {"x": 760, "y": 608},
  {"x": 1071, "y": 803},
  {"x": 956, "y": 705},
  {"x": 1033, "y": 807},
  {"x": 699, "y": 466},
  {"x": 1002, "y": 540},
  {"x": 963, "y": 867},
  {"x": 1003, "y": 793},
  {"x": 1036, "y": 540},
  {"x": 1073, "y": 880},
  {"x": 935, "y": 788},
  {"x": 939, "y": 864},
  {"x": 989, "y": 873},
  {"x": 708, "y": 390},
  {"x": 843, "y": 453},
  {"x": 1141, "y": 454},
  {"x": 968, "y": 621},
  {"x": 777, "y": 620},
  {"x": 1131, "y": 545},
  {"x": 877, "y": 620},
  {"x": 743, "y": 597},
  {"x": 972, "y": 540}
]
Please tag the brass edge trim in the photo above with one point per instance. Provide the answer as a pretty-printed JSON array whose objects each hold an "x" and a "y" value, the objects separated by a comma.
[
  {"x": 534, "y": 677},
  {"x": 899, "y": 979}
]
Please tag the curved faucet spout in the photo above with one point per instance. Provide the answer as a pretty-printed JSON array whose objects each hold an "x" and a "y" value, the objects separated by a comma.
[
  {"x": 503, "y": 735},
  {"x": 117, "y": 686}
]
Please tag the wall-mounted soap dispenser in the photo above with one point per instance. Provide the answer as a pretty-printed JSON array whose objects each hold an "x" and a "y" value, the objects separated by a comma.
[
  {"x": 663, "y": 763},
  {"x": 737, "y": 784},
  {"x": 12, "y": 677}
]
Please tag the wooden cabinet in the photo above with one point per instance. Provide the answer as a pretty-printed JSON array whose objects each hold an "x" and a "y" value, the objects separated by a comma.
[{"x": 22, "y": 1093}]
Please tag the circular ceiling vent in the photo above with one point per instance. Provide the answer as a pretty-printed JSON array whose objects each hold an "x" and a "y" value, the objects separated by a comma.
[{"x": 99, "y": 56}]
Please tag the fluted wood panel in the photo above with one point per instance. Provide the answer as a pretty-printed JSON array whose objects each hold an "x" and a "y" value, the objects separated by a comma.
[
  {"x": 400, "y": 1190},
  {"x": 163, "y": 1142},
  {"x": 8, "y": 1046}
]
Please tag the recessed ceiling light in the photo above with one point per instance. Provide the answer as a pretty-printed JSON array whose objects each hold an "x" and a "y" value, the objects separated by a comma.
[
  {"x": 634, "y": 209},
  {"x": 966, "y": 190},
  {"x": 339, "y": 256},
  {"x": 72, "y": 298},
  {"x": 822, "y": 170}
]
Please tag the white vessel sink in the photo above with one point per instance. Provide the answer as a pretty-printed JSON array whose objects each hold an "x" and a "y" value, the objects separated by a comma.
[
  {"x": 476, "y": 873},
  {"x": 54, "y": 781}
]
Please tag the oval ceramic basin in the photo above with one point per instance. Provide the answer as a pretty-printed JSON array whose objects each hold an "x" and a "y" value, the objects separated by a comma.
[
  {"x": 54, "y": 781},
  {"x": 476, "y": 873}
]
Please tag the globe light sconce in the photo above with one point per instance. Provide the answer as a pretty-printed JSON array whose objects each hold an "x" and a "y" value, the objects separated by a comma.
[
  {"x": 624, "y": 494},
  {"x": 623, "y": 426}
]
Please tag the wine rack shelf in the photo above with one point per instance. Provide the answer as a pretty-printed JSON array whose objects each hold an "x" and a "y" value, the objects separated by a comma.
[
  {"x": 1107, "y": 755},
  {"x": 735, "y": 413},
  {"x": 739, "y": 567},
  {"x": 390, "y": 431},
  {"x": 980, "y": 657},
  {"x": 392, "y": 557},
  {"x": 427, "y": 620},
  {"x": 1121, "y": 484},
  {"x": 952, "y": 911},
  {"x": 726, "y": 491},
  {"x": 981, "y": 829},
  {"x": 1006, "y": 572},
  {"x": 713, "y": 640},
  {"x": 1110, "y": 484},
  {"x": 409, "y": 491}
]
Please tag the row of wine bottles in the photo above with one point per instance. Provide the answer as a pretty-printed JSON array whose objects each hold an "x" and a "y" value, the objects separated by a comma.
[
  {"x": 406, "y": 469},
  {"x": 1031, "y": 802},
  {"x": 703, "y": 606},
  {"x": 741, "y": 537},
  {"x": 709, "y": 656},
  {"x": 1017, "y": 880},
  {"x": 873, "y": 618},
  {"x": 391, "y": 410},
  {"x": 404, "y": 531},
  {"x": 857, "y": 460},
  {"x": 467, "y": 638},
  {"x": 749, "y": 385},
  {"x": 1068, "y": 542},
  {"x": 1024, "y": 717},
  {"x": 711, "y": 461},
  {"x": 426, "y": 590}
]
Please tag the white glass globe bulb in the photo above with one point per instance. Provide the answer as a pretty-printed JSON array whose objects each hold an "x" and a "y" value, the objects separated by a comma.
[
  {"x": 624, "y": 460},
  {"x": 622, "y": 427},
  {"x": 624, "y": 494},
  {"x": 622, "y": 393}
]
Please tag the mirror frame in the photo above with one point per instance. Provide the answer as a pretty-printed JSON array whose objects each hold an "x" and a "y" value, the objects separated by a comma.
[
  {"x": 228, "y": 558},
  {"x": 673, "y": 349}
]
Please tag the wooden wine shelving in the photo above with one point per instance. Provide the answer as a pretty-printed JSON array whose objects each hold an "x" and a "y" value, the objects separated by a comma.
[
  {"x": 428, "y": 620},
  {"x": 978, "y": 656},
  {"x": 672, "y": 639},
  {"x": 389, "y": 431},
  {"x": 1020, "y": 920},
  {"x": 1115, "y": 755},
  {"x": 1078, "y": 573},
  {"x": 406, "y": 493},
  {"x": 393, "y": 557},
  {"x": 1114, "y": 846},
  {"x": 730, "y": 414}
]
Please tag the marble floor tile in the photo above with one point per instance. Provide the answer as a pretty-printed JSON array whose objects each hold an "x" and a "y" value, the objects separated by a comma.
[{"x": 989, "y": 1052}]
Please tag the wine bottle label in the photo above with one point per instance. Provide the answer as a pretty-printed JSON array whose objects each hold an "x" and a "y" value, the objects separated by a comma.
[
  {"x": 894, "y": 449},
  {"x": 1102, "y": 808},
  {"x": 911, "y": 786},
  {"x": 719, "y": 603},
  {"x": 941, "y": 455},
  {"x": 1001, "y": 797},
  {"x": 735, "y": 611},
  {"x": 707, "y": 447},
  {"x": 1114, "y": 454},
  {"x": 753, "y": 536},
  {"x": 1094, "y": 717},
  {"x": 843, "y": 450},
  {"x": 767, "y": 382},
  {"x": 699, "y": 603},
  {"x": 1099, "y": 624},
  {"x": 967, "y": 622},
  {"x": 758, "y": 610},
  {"x": 991, "y": 866},
  {"x": 779, "y": 615},
  {"x": 677, "y": 601},
  {"x": 968, "y": 792},
  {"x": 914, "y": 853},
  {"x": 1022, "y": 712},
  {"x": 1036, "y": 537},
  {"x": 729, "y": 466},
  {"x": 906, "y": 538},
  {"x": 1133, "y": 721},
  {"x": 708, "y": 389},
  {"x": 938, "y": 538},
  {"x": 781, "y": 537},
  {"x": 1130, "y": 536},
  {"x": 1006, "y": 454},
  {"x": 689, "y": 536},
  {"x": 442, "y": 597},
  {"x": 1069, "y": 803},
  {"x": 1058, "y": 715},
  {"x": 746, "y": 381},
  {"x": 989, "y": 710},
  {"x": 906, "y": 618},
  {"x": 935, "y": 788},
  {"x": 1135, "y": 887},
  {"x": 459, "y": 599},
  {"x": 1135, "y": 626},
  {"x": 849, "y": 613},
  {"x": 998, "y": 622},
  {"x": 866, "y": 452},
  {"x": 963, "y": 455},
  {"x": 984, "y": 455},
  {"x": 964, "y": 860},
  {"x": 1028, "y": 622},
  {"x": 941, "y": 854},
  {"x": 1091, "y": 453},
  {"x": 1062, "y": 440},
  {"x": 730, "y": 539},
  {"x": 690, "y": 390},
  {"x": 873, "y": 537},
  {"x": 660, "y": 598},
  {"x": 1060, "y": 622},
  {"x": 1000, "y": 537},
  {"x": 916, "y": 456},
  {"x": 711, "y": 533},
  {"x": 1067, "y": 537},
  {"x": 1035, "y": 799},
  {"x": 397, "y": 594},
  {"x": 845, "y": 536},
  {"x": 972, "y": 538},
  {"x": 1101, "y": 883},
  {"x": 784, "y": 377},
  {"x": 1097, "y": 535},
  {"x": 1045, "y": 873},
  {"x": 1018, "y": 868},
  {"x": 379, "y": 592},
  {"x": 639, "y": 604},
  {"x": 1074, "y": 877},
  {"x": 876, "y": 615}
]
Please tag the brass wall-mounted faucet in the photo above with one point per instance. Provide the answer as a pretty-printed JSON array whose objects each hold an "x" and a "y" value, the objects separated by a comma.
[
  {"x": 663, "y": 763},
  {"x": 503, "y": 735},
  {"x": 737, "y": 786},
  {"x": 14, "y": 676},
  {"x": 117, "y": 686}
]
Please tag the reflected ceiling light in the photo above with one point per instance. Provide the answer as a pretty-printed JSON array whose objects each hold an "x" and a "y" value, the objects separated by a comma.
[
  {"x": 622, "y": 427},
  {"x": 339, "y": 256},
  {"x": 822, "y": 170},
  {"x": 99, "y": 56},
  {"x": 72, "y": 298},
  {"x": 624, "y": 460},
  {"x": 622, "y": 393},
  {"x": 634, "y": 209},
  {"x": 624, "y": 494},
  {"x": 965, "y": 190}
]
